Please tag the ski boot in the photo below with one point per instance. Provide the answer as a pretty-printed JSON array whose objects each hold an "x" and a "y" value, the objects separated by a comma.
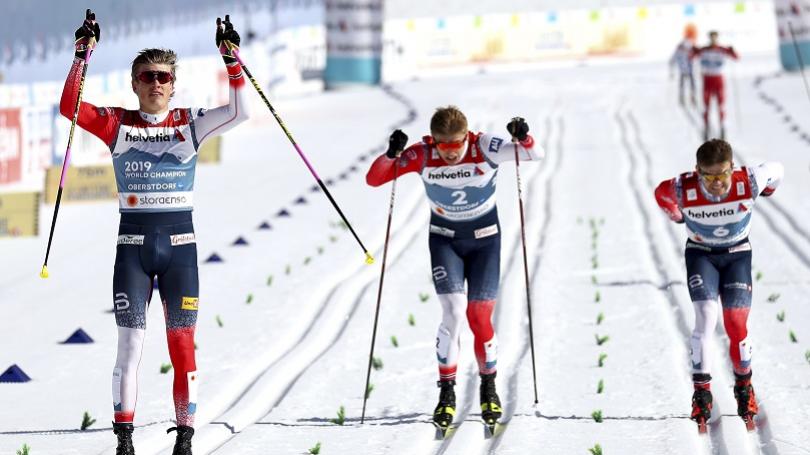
[
  {"x": 746, "y": 400},
  {"x": 446, "y": 409},
  {"x": 182, "y": 445},
  {"x": 490, "y": 403},
  {"x": 701, "y": 401},
  {"x": 124, "y": 433}
]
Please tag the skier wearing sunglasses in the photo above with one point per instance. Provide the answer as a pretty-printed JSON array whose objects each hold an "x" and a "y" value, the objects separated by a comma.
[
  {"x": 716, "y": 202},
  {"x": 154, "y": 154},
  {"x": 459, "y": 169}
]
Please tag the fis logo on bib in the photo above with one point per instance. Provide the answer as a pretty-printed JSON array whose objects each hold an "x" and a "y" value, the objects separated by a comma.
[
  {"x": 495, "y": 144},
  {"x": 189, "y": 303}
]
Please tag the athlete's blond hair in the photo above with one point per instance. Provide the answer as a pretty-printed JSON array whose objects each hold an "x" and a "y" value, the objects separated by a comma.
[
  {"x": 155, "y": 57},
  {"x": 448, "y": 121}
]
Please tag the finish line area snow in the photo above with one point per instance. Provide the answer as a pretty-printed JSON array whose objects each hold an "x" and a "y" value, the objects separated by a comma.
[{"x": 285, "y": 321}]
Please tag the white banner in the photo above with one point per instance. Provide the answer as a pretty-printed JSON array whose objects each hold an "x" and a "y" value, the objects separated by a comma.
[
  {"x": 793, "y": 25},
  {"x": 354, "y": 28}
]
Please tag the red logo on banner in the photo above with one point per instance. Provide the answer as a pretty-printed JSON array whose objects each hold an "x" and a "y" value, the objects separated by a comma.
[{"x": 10, "y": 144}]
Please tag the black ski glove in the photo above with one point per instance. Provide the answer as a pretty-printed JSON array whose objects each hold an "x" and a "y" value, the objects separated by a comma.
[
  {"x": 396, "y": 144},
  {"x": 227, "y": 40},
  {"x": 87, "y": 35},
  {"x": 518, "y": 128}
]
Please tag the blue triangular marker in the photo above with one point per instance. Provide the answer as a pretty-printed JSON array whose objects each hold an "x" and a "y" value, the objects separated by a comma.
[
  {"x": 214, "y": 258},
  {"x": 265, "y": 225},
  {"x": 283, "y": 212},
  {"x": 239, "y": 241},
  {"x": 362, "y": 158},
  {"x": 78, "y": 337},
  {"x": 314, "y": 189},
  {"x": 301, "y": 200},
  {"x": 330, "y": 182},
  {"x": 352, "y": 168},
  {"x": 14, "y": 374},
  {"x": 343, "y": 176}
]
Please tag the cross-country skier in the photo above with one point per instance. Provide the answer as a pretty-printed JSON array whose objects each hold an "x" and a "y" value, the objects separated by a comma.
[
  {"x": 154, "y": 154},
  {"x": 682, "y": 58},
  {"x": 712, "y": 59},
  {"x": 459, "y": 169},
  {"x": 716, "y": 202}
]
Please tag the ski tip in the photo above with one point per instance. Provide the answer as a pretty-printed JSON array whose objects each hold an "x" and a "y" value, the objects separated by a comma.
[
  {"x": 369, "y": 258},
  {"x": 750, "y": 425},
  {"x": 44, "y": 273},
  {"x": 492, "y": 430},
  {"x": 701, "y": 424},
  {"x": 443, "y": 431}
]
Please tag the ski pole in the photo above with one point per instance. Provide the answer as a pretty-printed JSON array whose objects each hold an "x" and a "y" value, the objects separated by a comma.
[
  {"x": 799, "y": 56},
  {"x": 380, "y": 288},
  {"x": 738, "y": 109},
  {"x": 369, "y": 258},
  {"x": 66, "y": 162},
  {"x": 526, "y": 269}
]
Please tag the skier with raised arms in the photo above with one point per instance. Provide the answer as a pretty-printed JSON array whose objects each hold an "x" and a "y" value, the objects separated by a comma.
[
  {"x": 459, "y": 169},
  {"x": 716, "y": 202},
  {"x": 154, "y": 154}
]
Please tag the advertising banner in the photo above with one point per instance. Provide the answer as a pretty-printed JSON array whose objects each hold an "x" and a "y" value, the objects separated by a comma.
[
  {"x": 19, "y": 214},
  {"x": 209, "y": 151},
  {"x": 353, "y": 42},
  {"x": 10, "y": 145},
  {"x": 82, "y": 183}
]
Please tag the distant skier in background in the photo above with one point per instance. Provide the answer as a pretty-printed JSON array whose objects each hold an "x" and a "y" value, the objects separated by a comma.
[
  {"x": 154, "y": 154},
  {"x": 716, "y": 202},
  {"x": 682, "y": 58},
  {"x": 459, "y": 169},
  {"x": 712, "y": 59}
]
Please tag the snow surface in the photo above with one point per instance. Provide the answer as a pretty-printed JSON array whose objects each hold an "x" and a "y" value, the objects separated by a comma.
[{"x": 280, "y": 367}]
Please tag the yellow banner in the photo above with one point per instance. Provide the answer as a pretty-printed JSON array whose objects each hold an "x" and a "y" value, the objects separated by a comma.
[
  {"x": 83, "y": 183},
  {"x": 209, "y": 152},
  {"x": 19, "y": 214}
]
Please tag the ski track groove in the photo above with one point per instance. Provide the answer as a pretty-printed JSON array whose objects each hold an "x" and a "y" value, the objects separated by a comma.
[
  {"x": 777, "y": 205},
  {"x": 717, "y": 444},
  {"x": 512, "y": 380},
  {"x": 764, "y": 432},
  {"x": 331, "y": 343},
  {"x": 544, "y": 175}
]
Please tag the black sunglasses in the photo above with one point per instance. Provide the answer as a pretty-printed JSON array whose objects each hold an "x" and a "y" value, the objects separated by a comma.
[{"x": 147, "y": 77}]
